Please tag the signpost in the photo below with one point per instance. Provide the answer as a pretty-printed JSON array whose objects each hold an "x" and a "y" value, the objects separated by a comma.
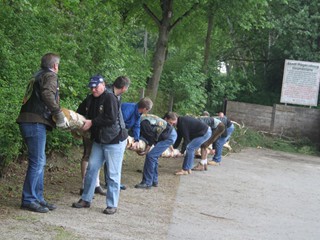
[{"x": 300, "y": 83}]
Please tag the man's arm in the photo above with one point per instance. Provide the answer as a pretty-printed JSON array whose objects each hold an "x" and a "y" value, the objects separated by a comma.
[
  {"x": 49, "y": 90},
  {"x": 136, "y": 134},
  {"x": 136, "y": 130}
]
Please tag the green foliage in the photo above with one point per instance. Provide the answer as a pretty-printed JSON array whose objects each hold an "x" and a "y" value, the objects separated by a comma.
[
  {"x": 186, "y": 85},
  {"x": 289, "y": 30},
  {"x": 246, "y": 137},
  {"x": 90, "y": 38},
  {"x": 223, "y": 86},
  {"x": 10, "y": 142},
  {"x": 252, "y": 37},
  {"x": 61, "y": 141}
]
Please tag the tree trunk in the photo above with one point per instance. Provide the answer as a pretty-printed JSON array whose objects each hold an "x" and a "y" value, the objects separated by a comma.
[
  {"x": 161, "y": 48},
  {"x": 158, "y": 62},
  {"x": 165, "y": 26},
  {"x": 208, "y": 42}
]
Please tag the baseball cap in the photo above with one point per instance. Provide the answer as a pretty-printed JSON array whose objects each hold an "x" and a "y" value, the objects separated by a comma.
[{"x": 95, "y": 81}]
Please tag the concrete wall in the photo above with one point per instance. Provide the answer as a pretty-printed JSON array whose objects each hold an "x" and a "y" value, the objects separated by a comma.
[{"x": 287, "y": 120}]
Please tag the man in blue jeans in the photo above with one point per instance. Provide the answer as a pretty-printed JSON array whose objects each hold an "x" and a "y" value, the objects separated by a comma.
[
  {"x": 40, "y": 103},
  {"x": 218, "y": 145},
  {"x": 193, "y": 132},
  {"x": 109, "y": 141},
  {"x": 162, "y": 135}
]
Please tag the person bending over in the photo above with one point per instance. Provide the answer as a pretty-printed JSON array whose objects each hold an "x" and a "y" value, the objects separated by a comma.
[{"x": 158, "y": 133}]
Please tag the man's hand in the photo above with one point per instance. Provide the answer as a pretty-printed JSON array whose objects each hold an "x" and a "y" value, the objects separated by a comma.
[
  {"x": 87, "y": 125},
  {"x": 135, "y": 146},
  {"x": 61, "y": 120},
  {"x": 141, "y": 153}
]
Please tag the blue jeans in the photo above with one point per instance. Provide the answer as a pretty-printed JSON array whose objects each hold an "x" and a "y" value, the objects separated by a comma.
[
  {"x": 192, "y": 147},
  {"x": 229, "y": 132},
  {"x": 150, "y": 169},
  {"x": 112, "y": 155},
  {"x": 219, "y": 144},
  {"x": 34, "y": 135}
]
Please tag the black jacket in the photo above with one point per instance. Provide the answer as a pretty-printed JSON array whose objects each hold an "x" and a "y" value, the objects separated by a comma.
[
  {"x": 107, "y": 122},
  {"x": 189, "y": 128}
]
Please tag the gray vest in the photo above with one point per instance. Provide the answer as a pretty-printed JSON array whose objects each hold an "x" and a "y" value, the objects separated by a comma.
[{"x": 158, "y": 124}]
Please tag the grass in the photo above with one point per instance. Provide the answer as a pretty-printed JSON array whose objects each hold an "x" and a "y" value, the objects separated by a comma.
[
  {"x": 246, "y": 137},
  {"x": 63, "y": 234}
]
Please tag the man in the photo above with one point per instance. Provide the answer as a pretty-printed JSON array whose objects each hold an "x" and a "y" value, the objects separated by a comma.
[
  {"x": 109, "y": 141},
  {"x": 162, "y": 135},
  {"x": 193, "y": 132},
  {"x": 87, "y": 142},
  {"x": 40, "y": 103},
  {"x": 206, "y": 114},
  {"x": 217, "y": 128},
  {"x": 229, "y": 128},
  {"x": 132, "y": 114}
]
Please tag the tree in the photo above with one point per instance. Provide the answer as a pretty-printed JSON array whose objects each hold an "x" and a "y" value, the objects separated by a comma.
[{"x": 165, "y": 25}]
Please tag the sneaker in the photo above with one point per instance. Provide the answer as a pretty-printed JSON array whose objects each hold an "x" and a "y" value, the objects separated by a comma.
[
  {"x": 142, "y": 186},
  {"x": 155, "y": 184},
  {"x": 100, "y": 191},
  {"x": 213, "y": 163},
  {"x": 50, "y": 206},
  {"x": 34, "y": 207},
  {"x": 110, "y": 210},
  {"x": 81, "y": 204}
]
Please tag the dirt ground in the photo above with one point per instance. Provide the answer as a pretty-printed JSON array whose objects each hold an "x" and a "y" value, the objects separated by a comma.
[
  {"x": 142, "y": 214},
  {"x": 253, "y": 194}
]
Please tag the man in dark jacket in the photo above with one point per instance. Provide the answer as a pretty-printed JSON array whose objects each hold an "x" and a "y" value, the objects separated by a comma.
[
  {"x": 109, "y": 141},
  {"x": 158, "y": 133},
  {"x": 87, "y": 142},
  {"x": 194, "y": 133},
  {"x": 40, "y": 103}
]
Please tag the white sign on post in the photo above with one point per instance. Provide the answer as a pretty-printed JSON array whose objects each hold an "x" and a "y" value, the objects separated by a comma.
[{"x": 300, "y": 83}]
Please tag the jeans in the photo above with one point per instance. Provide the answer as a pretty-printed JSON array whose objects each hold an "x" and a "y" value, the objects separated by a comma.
[
  {"x": 34, "y": 135},
  {"x": 150, "y": 169},
  {"x": 219, "y": 144},
  {"x": 229, "y": 132},
  {"x": 87, "y": 146},
  {"x": 192, "y": 147},
  {"x": 112, "y": 155}
]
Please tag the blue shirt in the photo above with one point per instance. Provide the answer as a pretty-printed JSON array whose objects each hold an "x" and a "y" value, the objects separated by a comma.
[{"x": 131, "y": 117}]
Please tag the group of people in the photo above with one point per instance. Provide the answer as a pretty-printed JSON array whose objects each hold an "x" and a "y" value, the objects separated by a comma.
[
  {"x": 200, "y": 133},
  {"x": 109, "y": 122}
]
